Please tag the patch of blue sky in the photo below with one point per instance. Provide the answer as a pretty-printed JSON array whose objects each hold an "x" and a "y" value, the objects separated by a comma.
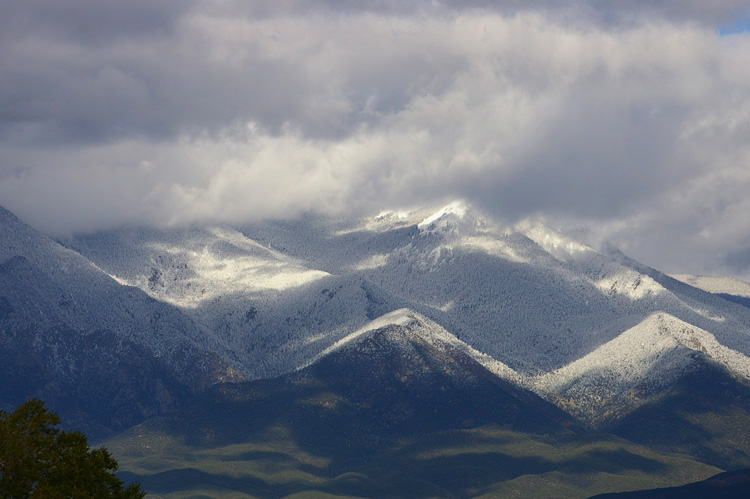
[{"x": 741, "y": 24}]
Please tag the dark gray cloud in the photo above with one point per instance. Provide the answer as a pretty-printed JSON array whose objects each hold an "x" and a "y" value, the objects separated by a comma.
[
  {"x": 628, "y": 119},
  {"x": 600, "y": 11},
  {"x": 90, "y": 22}
]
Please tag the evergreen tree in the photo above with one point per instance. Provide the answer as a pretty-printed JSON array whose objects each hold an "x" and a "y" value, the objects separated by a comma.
[{"x": 38, "y": 460}]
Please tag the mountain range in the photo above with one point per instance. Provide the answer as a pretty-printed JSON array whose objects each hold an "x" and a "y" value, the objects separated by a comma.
[{"x": 354, "y": 340}]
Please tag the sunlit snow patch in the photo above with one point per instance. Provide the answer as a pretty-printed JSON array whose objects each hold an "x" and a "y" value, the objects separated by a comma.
[
  {"x": 708, "y": 314},
  {"x": 447, "y": 306},
  {"x": 552, "y": 241},
  {"x": 463, "y": 228},
  {"x": 385, "y": 220},
  {"x": 389, "y": 215},
  {"x": 400, "y": 317},
  {"x": 493, "y": 246},
  {"x": 727, "y": 285},
  {"x": 207, "y": 270},
  {"x": 119, "y": 280},
  {"x": 630, "y": 283},
  {"x": 457, "y": 208},
  {"x": 372, "y": 262}
]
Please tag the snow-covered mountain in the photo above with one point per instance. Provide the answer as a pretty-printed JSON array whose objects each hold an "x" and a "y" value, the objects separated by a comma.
[
  {"x": 266, "y": 312},
  {"x": 103, "y": 354},
  {"x": 591, "y": 330},
  {"x": 625, "y": 372},
  {"x": 720, "y": 285},
  {"x": 404, "y": 328}
]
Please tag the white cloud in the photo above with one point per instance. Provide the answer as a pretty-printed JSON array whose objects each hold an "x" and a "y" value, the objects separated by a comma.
[{"x": 635, "y": 125}]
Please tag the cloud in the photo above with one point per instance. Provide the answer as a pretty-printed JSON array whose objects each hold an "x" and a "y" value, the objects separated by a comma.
[{"x": 628, "y": 121}]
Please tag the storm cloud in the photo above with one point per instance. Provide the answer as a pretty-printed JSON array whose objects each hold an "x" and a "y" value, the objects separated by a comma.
[{"x": 630, "y": 122}]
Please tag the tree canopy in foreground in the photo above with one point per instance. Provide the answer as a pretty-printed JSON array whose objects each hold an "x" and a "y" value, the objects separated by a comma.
[{"x": 38, "y": 459}]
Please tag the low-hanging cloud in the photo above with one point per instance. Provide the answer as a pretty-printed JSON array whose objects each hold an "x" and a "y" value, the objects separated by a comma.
[{"x": 633, "y": 123}]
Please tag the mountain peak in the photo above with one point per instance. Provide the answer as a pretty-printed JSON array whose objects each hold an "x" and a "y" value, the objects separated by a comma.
[
  {"x": 405, "y": 370},
  {"x": 403, "y": 328},
  {"x": 626, "y": 371},
  {"x": 457, "y": 209},
  {"x": 454, "y": 217}
]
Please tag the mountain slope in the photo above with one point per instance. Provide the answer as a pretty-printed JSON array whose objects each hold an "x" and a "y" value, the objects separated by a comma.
[
  {"x": 265, "y": 311},
  {"x": 368, "y": 341},
  {"x": 705, "y": 413},
  {"x": 398, "y": 408},
  {"x": 626, "y": 372},
  {"x": 104, "y": 355},
  {"x": 728, "y": 485},
  {"x": 407, "y": 373},
  {"x": 527, "y": 296}
]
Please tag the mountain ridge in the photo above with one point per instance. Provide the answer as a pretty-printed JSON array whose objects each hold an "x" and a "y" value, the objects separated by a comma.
[
  {"x": 268, "y": 299},
  {"x": 105, "y": 355}
]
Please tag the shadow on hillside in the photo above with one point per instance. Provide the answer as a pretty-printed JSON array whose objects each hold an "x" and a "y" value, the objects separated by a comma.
[
  {"x": 705, "y": 415},
  {"x": 472, "y": 472},
  {"x": 458, "y": 463},
  {"x": 186, "y": 479},
  {"x": 611, "y": 461}
]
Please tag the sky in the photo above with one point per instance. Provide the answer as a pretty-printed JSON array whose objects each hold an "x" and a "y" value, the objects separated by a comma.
[{"x": 627, "y": 121}]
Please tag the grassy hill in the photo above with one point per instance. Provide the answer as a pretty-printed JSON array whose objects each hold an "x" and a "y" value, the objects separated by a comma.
[{"x": 488, "y": 461}]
